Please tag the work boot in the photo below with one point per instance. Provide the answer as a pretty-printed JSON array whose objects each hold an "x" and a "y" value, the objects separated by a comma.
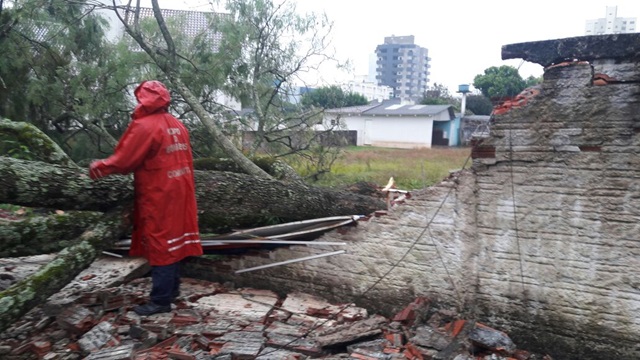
[{"x": 151, "y": 308}]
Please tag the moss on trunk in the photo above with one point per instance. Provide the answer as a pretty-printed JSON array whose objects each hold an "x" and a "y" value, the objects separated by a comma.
[
  {"x": 23, "y": 296},
  {"x": 23, "y": 140},
  {"x": 44, "y": 234},
  {"x": 225, "y": 200}
]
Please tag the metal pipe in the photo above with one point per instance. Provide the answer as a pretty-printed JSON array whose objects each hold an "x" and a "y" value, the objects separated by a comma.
[
  {"x": 283, "y": 242},
  {"x": 112, "y": 254},
  {"x": 290, "y": 261}
]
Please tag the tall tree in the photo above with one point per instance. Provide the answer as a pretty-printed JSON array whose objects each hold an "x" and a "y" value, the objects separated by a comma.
[
  {"x": 498, "y": 82},
  {"x": 533, "y": 81},
  {"x": 59, "y": 73},
  {"x": 278, "y": 46},
  {"x": 166, "y": 57},
  {"x": 438, "y": 94},
  {"x": 332, "y": 97}
]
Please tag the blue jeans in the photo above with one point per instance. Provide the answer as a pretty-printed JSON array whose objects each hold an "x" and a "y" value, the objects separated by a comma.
[{"x": 165, "y": 283}]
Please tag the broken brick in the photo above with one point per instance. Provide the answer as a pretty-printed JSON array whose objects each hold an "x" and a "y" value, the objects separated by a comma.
[
  {"x": 343, "y": 334},
  {"x": 186, "y": 317},
  {"x": 278, "y": 354},
  {"x": 286, "y": 329},
  {"x": 117, "y": 301},
  {"x": 377, "y": 345},
  {"x": 41, "y": 348},
  {"x": 98, "y": 337},
  {"x": 124, "y": 352},
  {"x": 76, "y": 319},
  {"x": 431, "y": 338},
  {"x": 73, "y": 347},
  {"x": 454, "y": 327},
  {"x": 175, "y": 353},
  {"x": 369, "y": 355},
  {"x": 412, "y": 352},
  {"x": 409, "y": 313},
  {"x": 302, "y": 345},
  {"x": 489, "y": 338},
  {"x": 394, "y": 338},
  {"x": 241, "y": 344}
]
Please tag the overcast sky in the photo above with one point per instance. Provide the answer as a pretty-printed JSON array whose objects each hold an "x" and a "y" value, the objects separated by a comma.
[{"x": 464, "y": 37}]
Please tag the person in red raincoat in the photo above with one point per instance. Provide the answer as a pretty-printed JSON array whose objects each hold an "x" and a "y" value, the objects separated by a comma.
[{"x": 156, "y": 149}]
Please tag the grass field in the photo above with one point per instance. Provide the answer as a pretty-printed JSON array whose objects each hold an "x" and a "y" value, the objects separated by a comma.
[{"x": 411, "y": 168}]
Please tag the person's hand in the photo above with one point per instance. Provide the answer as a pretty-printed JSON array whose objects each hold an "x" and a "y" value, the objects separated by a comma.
[{"x": 94, "y": 173}]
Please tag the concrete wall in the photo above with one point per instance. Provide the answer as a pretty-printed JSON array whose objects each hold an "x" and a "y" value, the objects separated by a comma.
[{"x": 541, "y": 237}]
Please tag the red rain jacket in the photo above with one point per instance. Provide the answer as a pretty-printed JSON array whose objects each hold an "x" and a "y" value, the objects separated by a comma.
[{"x": 156, "y": 148}]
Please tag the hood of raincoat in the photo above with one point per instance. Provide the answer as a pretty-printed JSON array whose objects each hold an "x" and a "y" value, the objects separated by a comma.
[{"x": 152, "y": 97}]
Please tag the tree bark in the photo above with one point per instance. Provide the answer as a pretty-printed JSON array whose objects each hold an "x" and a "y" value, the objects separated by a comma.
[
  {"x": 38, "y": 144},
  {"x": 38, "y": 184},
  {"x": 225, "y": 200},
  {"x": 23, "y": 296},
  {"x": 44, "y": 234},
  {"x": 231, "y": 200}
]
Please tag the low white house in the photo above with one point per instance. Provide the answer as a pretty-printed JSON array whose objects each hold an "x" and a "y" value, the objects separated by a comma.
[{"x": 394, "y": 124}]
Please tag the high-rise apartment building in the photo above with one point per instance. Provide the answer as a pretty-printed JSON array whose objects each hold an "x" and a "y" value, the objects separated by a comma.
[
  {"x": 403, "y": 66},
  {"x": 611, "y": 24}
]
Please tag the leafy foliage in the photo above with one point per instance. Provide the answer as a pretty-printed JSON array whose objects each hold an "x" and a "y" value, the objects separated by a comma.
[
  {"x": 54, "y": 63},
  {"x": 278, "y": 45},
  {"x": 332, "y": 97},
  {"x": 479, "y": 104},
  {"x": 503, "y": 81},
  {"x": 58, "y": 72},
  {"x": 438, "y": 94}
]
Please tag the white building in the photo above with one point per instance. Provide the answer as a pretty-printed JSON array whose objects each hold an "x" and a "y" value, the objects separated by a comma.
[
  {"x": 394, "y": 124},
  {"x": 611, "y": 24},
  {"x": 369, "y": 89}
]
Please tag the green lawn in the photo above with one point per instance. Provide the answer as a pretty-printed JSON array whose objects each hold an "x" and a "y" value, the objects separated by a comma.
[{"x": 411, "y": 168}]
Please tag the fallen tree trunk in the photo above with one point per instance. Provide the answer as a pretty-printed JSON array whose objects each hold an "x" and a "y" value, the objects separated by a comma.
[
  {"x": 25, "y": 139},
  {"x": 23, "y": 296},
  {"x": 225, "y": 200},
  {"x": 36, "y": 235},
  {"x": 38, "y": 184}
]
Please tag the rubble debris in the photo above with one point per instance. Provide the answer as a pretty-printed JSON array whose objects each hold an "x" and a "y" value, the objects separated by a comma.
[
  {"x": 408, "y": 315},
  {"x": 93, "y": 282},
  {"x": 209, "y": 321},
  {"x": 432, "y": 338},
  {"x": 519, "y": 100},
  {"x": 347, "y": 333}
]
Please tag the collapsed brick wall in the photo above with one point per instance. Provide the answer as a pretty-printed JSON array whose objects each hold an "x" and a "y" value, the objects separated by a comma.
[{"x": 541, "y": 237}]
